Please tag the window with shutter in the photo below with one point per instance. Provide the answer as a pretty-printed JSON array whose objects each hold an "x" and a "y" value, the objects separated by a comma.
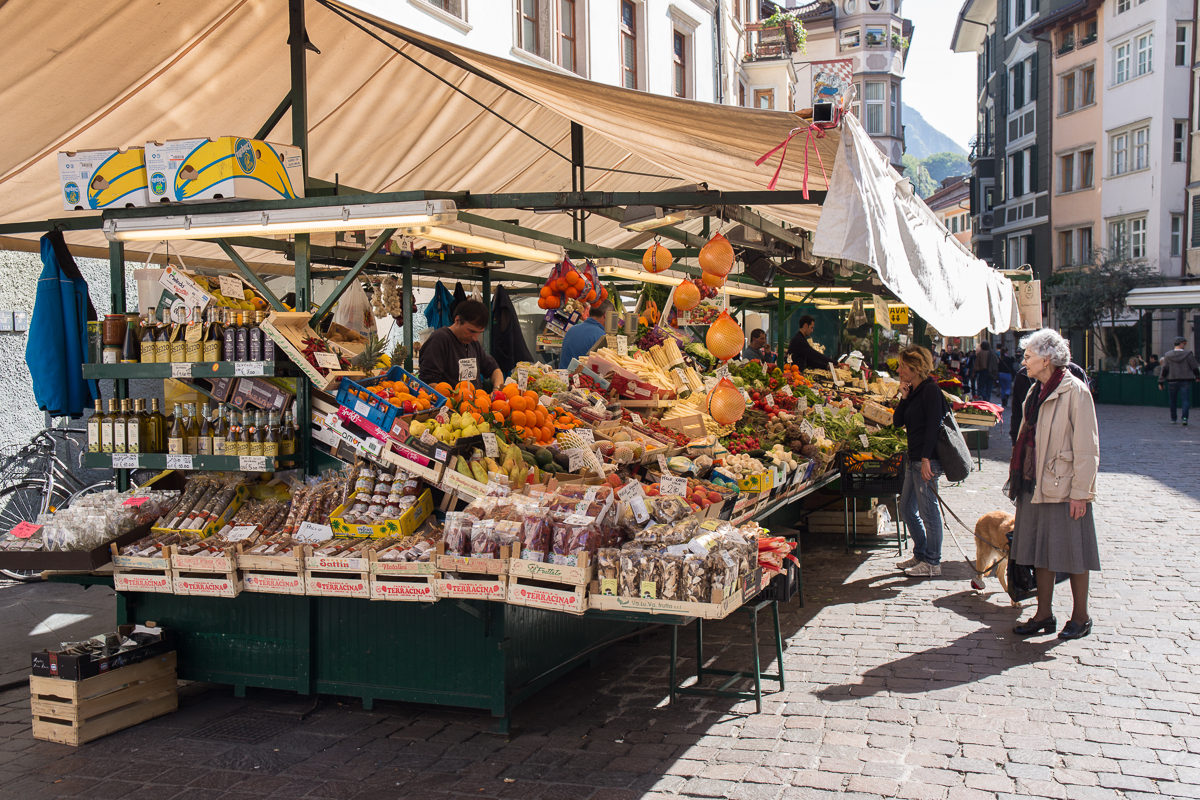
[
  {"x": 1003, "y": 92},
  {"x": 1033, "y": 77},
  {"x": 1196, "y": 220},
  {"x": 1033, "y": 170}
]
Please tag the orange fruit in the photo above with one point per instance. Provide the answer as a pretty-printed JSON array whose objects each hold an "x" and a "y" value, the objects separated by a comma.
[
  {"x": 478, "y": 417},
  {"x": 518, "y": 403},
  {"x": 442, "y": 388},
  {"x": 511, "y": 390},
  {"x": 518, "y": 418},
  {"x": 553, "y": 302},
  {"x": 500, "y": 407},
  {"x": 547, "y": 433},
  {"x": 531, "y": 396},
  {"x": 499, "y": 417}
]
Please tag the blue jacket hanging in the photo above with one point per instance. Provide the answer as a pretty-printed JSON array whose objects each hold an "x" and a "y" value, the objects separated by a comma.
[
  {"x": 58, "y": 336},
  {"x": 437, "y": 313}
]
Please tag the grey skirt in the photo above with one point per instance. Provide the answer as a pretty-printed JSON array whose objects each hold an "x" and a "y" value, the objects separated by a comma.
[{"x": 1046, "y": 537}]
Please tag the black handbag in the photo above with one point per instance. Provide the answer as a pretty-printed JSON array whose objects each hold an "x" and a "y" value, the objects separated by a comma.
[
  {"x": 952, "y": 449},
  {"x": 1022, "y": 583}
]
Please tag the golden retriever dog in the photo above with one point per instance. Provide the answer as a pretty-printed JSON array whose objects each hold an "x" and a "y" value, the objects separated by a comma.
[{"x": 991, "y": 547}]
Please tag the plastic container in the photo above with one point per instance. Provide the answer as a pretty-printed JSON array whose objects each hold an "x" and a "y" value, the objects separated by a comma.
[{"x": 354, "y": 396}]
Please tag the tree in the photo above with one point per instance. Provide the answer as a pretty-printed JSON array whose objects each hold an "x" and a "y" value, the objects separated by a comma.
[
  {"x": 1092, "y": 298},
  {"x": 942, "y": 165},
  {"x": 915, "y": 171}
]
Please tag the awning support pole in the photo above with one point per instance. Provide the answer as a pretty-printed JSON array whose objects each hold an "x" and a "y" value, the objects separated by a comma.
[
  {"x": 578, "y": 181},
  {"x": 780, "y": 352},
  {"x": 485, "y": 291},
  {"x": 276, "y": 115},
  {"x": 116, "y": 281},
  {"x": 406, "y": 294},
  {"x": 255, "y": 281},
  {"x": 350, "y": 276}
]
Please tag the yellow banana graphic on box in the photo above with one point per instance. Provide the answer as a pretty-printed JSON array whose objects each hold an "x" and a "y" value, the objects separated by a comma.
[
  {"x": 118, "y": 176},
  {"x": 212, "y": 162}
]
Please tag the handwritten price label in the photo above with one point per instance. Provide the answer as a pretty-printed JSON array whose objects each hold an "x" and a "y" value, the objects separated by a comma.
[
  {"x": 622, "y": 346},
  {"x": 637, "y": 418},
  {"x": 240, "y": 532},
  {"x": 231, "y": 287},
  {"x": 324, "y": 361},
  {"x": 522, "y": 379},
  {"x": 662, "y": 465},
  {"x": 862, "y": 437},
  {"x": 125, "y": 461},
  {"x": 468, "y": 369},
  {"x": 23, "y": 530},
  {"x": 248, "y": 368},
  {"x": 585, "y": 435},
  {"x": 770, "y": 401},
  {"x": 181, "y": 370},
  {"x": 629, "y": 491},
  {"x": 490, "y": 449},
  {"x": 312, "y": 533},
  {"x": 179, "y": 462},
  {"x": 786, "y": 390},
  {"x": 578, "y": 458},
  {"x": 252, "y": 463},
  {"x": 673, "y": 486}
]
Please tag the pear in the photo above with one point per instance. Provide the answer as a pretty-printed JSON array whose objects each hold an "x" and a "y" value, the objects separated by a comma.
[{"x": 417, "y": 428}]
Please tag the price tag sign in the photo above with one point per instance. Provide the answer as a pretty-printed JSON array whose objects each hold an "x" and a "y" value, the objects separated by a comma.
[
  {"x": 489, "y": 445},
  {"x": 428, "y": 438},
  {"x": 231, "y": 288},
  {"x": 325, "y": 361},
  {"x": 770, "y": 401},
  {"x": 862, "y": 437},
  {"x": 247, "y": 368},
  {"x": 821, "y": 410},
  {"x": 710, "y": 383},
  {"x": 637, "y": 418},
  {"x": 362, "y": 409},
  {"x": 181, "y": 370},
  {"x": 802, "y": 404},
  {"x": 662, "y": 465},
  {"x": 591, "y": 493},
  {"x": 833, "y": 372},
  {"x": 629, "y": 491},
  {"x": 125, "y": 461},
  {"x": 787, "y": 390},
  {"x": 135, "y": 501},
  {"x": 680, "y": 378},
  {"x": 585, "y": 435},
  {"x": 312, "y": 533},
  {"x": 371, "y": 446},
  {"x": 23, "y": 530},
  {"x": 179, "y": 462},
  {"x": 522, "y": 379},
  {"x": 240, "y": 532},
  {"x": 252, "y": 463},
  {"x": 441, "y": 454},
  {"x": 638, "y": 506},
  {"x": 600, "y": 405},
  {"x": 622, "y": 345},
  {"x": 808, "y": 430},
  {"x": 673, "y": 486},
  {"x": 820, "y": 432},
  {"x": 746, "y": 395},
  {"x": 468, "y": 369},
  {"x": 577, "y": 380},
  {"x": 578, "y": 458}
]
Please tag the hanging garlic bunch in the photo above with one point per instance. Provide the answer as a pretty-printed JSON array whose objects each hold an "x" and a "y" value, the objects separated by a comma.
[
  {"x": 392, "y": 302},
  {"x": 377, "y": 307}
]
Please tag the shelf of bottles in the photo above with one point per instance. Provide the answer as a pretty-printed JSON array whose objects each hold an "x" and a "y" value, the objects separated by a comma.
[{"x": 184, "y": 370}]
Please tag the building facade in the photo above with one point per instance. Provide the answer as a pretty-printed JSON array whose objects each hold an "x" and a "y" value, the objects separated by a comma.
[
  {"x": 976, "y": 32},
  {"x": 951, "y": 204}
]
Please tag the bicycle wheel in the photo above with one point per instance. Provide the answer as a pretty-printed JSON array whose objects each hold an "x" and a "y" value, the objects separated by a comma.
[{"x": 20, "y": 503}]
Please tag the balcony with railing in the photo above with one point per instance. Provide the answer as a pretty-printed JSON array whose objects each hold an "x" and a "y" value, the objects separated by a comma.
[
  {"x": 765, "y": 44},
  {"x": 982, "y": 146}
]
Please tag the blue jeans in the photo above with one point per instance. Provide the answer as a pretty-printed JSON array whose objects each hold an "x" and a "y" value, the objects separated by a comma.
[
  {"x": 920, "y": 512},
  {"x": 984, "y": 385},
  {"x": 1180, "y": 392},
  {"x": 1005, "y": 379}
]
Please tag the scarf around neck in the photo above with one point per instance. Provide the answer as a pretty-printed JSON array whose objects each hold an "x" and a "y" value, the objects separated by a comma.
[{"x": 1021, "y": 477}]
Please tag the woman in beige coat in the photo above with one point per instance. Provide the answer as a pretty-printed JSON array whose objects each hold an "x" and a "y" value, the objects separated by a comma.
[{"x": 1052, "y": 479}]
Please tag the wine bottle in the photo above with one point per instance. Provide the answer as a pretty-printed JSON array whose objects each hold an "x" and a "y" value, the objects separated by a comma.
[
  {"x": 268, "y": 353},
  {"x": 118, "y": 426},
  {"x": 94, "y": 444},
  {"x": 148, "y": 354},
  {"x": 233, "y": 437},
  {"x": 193, "y": 338},
  {"x": 204, "y": 443},
  {"x": 229, "y": 333},
  {"x": 162, "y": 338},
  {"x": 175, "y": 439},
  {"x": 219, "y": 431},
  {"x": 133, "y": 428},
  {"x": 271, "y": 439},
  {"x": 287, "y": 436},
  {"x": 158, "y": 428},
  {"x": 213, "y": 338},
  {"x": 255, "y": 335},
  {"x": 129, "y": 348},
  {"x": 242, "y": 333}
]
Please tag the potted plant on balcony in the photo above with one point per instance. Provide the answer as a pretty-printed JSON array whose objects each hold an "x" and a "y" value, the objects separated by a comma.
[
  {"x": 792, "y": 27},
  {"x": 899, "y": 42}
]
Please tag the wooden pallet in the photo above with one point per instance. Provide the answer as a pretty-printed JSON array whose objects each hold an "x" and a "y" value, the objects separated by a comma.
[
  {"x": 74, "y": 712},
  {"x": 412, "y": 588},
  {"x": 547, "y": 594},
  {"x": 209, "y": 584}
]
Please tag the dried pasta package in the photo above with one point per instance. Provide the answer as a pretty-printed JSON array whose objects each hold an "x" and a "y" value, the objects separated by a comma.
[
  {"x": 457, "y": 533},
  {"x": 650, "y": 581},
  {"x": 669, "y": 509},
  {"x": 672, "y": 576},
  {"x": 630, "y": 576},
  {"x": 484, "y": 543},
  {"x": 694, "y": 583}
]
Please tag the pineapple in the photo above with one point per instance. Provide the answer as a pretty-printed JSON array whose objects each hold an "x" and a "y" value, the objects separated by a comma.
[
  {"x": 369, "y": 357},
  {"x": 399, "y": 354}
]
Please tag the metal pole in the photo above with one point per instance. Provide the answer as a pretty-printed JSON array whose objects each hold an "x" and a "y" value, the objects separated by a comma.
[
  {"x": 249, "y": 274},
  {"x": 486, "y": 293},
  {"x": 297, "y": 38},
  {"x": 116, "y": 278},
  {"x": 875, "y": 346},
  {"x": 577, "y": 176},
  {"x": 408, "y": 321},
  {"x": 780, "y": 353}
]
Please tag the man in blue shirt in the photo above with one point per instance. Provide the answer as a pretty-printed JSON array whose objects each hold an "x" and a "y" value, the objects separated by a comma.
[{"x": 583, "y": 335}]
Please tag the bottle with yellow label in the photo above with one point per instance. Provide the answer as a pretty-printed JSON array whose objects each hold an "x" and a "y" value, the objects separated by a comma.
[
  {"x": 193, "y": 338},
  {"x": 162, "y": 338}
]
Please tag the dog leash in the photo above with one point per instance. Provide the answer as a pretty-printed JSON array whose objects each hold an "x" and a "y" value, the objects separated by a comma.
[{"x": 969, "y": 560}]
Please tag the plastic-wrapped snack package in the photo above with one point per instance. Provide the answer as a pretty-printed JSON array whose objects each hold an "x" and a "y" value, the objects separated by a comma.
[
  {"x": 669, "y": 509},
  {"x": 535, "y": 534},
  {"x": 458, "y": 533},
  {"x": 508, "y": 533},
  {"x": 672, "y": 578},
  {"x": 483, "y": 539},
  {"x": 480, "y": 507},
  {"x": 577, "y": 492},
  {"x": 694, "y": 583},
  {"x": 685, "y": 530},
  {"x": 608, "y": 569},
  {"x": 653, "y": 536},
  {"x": 584, "y": 539},
  {"x": 630, "y": 575},
  {"x": 650, "y": 581},
  {"x": 560, "y": 541}
]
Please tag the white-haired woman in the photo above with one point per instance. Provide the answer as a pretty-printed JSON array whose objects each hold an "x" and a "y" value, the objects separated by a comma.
[{"x": 1052, "y": 479}]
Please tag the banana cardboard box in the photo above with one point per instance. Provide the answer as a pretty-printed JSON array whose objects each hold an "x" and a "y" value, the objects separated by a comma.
[
  {"x": 228, "y": 168},
  {"x": 111, "y": 178}
]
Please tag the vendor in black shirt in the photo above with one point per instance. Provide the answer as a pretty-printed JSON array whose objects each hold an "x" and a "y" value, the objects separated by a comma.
[
  {"x": 803, "y": 354},
  {"x": 443, "y": 354}
]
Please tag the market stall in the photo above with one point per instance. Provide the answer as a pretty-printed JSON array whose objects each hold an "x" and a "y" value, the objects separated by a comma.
[{"x": 325, "y": 521}]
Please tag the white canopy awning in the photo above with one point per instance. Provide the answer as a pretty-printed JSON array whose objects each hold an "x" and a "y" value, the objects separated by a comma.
[
  {"x": 389, "y": 110},
  {"x": 1164, "y": 297}
]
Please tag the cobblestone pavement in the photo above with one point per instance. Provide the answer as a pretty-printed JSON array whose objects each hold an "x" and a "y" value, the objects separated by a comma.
[{"x": 895, "y": 688}]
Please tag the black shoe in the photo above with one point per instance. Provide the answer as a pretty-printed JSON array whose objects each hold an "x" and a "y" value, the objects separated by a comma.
[
  {"x": 1033, "y": 628},
  {"x": 1073, "y": 630}
]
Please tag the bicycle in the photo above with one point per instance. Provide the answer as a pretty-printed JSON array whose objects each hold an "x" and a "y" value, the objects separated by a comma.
[{"x": 35, "y": 481}]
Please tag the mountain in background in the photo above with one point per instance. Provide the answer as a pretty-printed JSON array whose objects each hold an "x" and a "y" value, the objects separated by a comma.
[{"x": 923, "y": 140}]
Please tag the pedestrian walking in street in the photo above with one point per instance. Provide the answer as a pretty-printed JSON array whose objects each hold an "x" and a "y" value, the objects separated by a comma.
[
  {"x": 1005, "y": 376},
  {"x": 1179, "y": 369},
  {"x": 920, "y": 412},
  {"x": 1052, "y": 480},
  {"x": 987, "y": 367}
]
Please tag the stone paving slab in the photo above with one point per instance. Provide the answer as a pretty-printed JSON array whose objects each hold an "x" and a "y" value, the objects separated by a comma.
[{"x": 895, "y": 688}]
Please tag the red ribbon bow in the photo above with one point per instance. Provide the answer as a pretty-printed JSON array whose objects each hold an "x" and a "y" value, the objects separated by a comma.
[{"x": 813, "y": 132}]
